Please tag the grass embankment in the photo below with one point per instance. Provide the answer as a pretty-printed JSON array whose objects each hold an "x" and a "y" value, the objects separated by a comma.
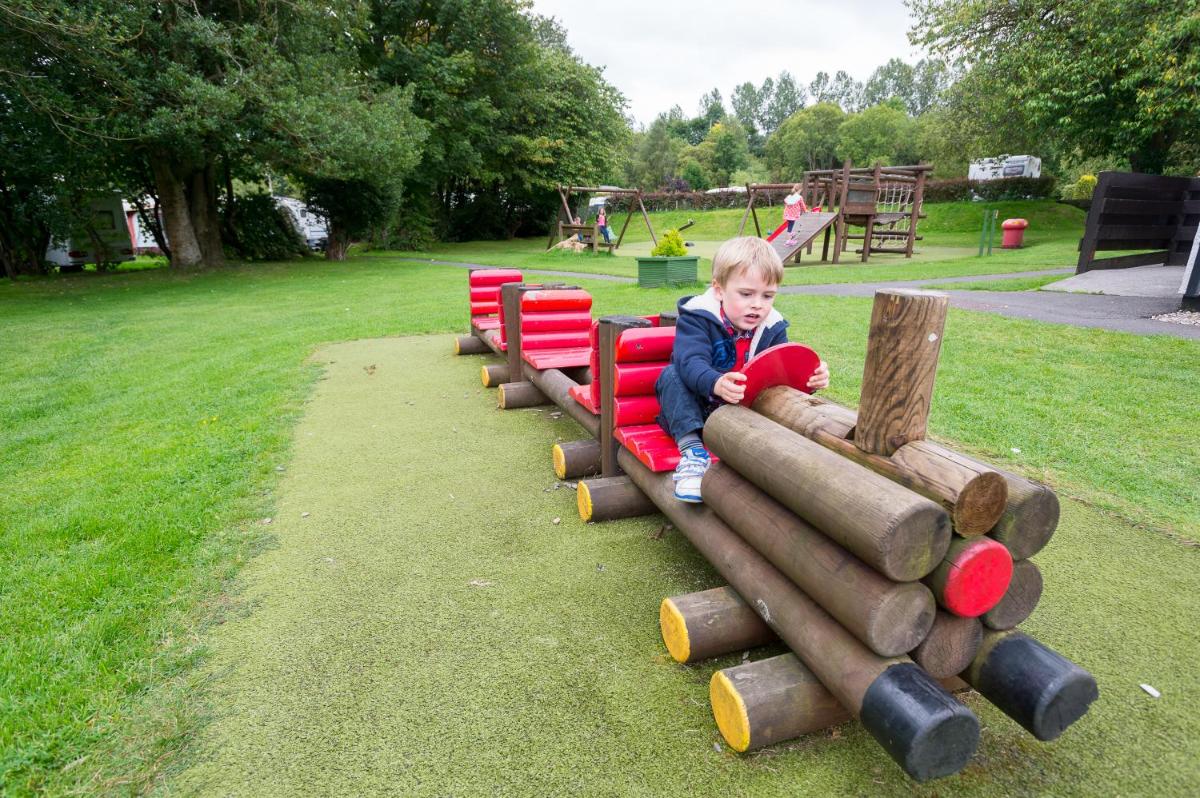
[
  {"x": 143, "y": 417},
  {"x": 950, "y": 233}
]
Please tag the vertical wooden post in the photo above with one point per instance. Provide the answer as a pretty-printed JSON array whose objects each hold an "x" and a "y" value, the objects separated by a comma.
[
  {"x": 839, "y": 241},
  {"x": 624, "y": 227},
  {"x": 902, "y": 354},
  {"x": 510, "y": 296},
  {"x": 914, "y": 213},
  {"x": 870, "y": 228},
  {"x": 668, "y": 319},
  {"x": 610, "y": 328}
]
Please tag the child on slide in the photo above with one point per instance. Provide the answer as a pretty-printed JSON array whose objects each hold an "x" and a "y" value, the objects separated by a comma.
[{"x": 793, "y": 207}]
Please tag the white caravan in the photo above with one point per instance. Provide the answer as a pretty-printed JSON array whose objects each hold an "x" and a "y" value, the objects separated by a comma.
[
  {"x": 70, "y": 252},
  {"x": 310, "y": 224},
  {"x": 1005, "y": 166}
]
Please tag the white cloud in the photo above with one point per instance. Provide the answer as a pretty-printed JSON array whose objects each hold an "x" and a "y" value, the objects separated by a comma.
[{"x": 661, "y": 54}]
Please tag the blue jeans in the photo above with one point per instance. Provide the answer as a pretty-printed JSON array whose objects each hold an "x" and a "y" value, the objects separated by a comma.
[{"x": 681, "y": 411}]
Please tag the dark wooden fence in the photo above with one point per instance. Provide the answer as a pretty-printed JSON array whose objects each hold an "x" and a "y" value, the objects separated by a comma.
[{"x": 1140, "y": 212}]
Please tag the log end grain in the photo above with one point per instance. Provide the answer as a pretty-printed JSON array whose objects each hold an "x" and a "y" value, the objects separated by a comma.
[
  {"x": 980, "y": 504},
  {"x": 1030, "y": 519},
  {"x": 950, "y": 647},
  {"x": 918, "y": 542},
  {"x": 674, "y": 631},
  {"x": 901, "y": 620},
  {"x": 918, "y": 723},
  {"x": 729, "y": 711},
  {"x": 583, "y": 501},
  {"x": 1020, "y": 600},
  {"x": 493, "y": 374}
]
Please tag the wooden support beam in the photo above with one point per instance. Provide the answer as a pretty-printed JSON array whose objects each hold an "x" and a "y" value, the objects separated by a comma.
[
  {"x": 950, "y": 646},
  {"x": 556, "y": 386},
  {"x": 921, "y": 726},
  {"x": 890, "y": 618},
  {"x": 610, "y": 328},
  {"x": 469, "y": 345},
  {"x": 710, "y": 623},
  {"x": 1021, "y": 598},
  {"x": 1034, "y": 685},
  {"x": 493, "y": 374},
  {"x": 611, "y": 498},
  {"x": 902, "y": 535},
  {"x": 974, "y": 495},
  {"x": 576, "y": 459},
  {"x": 516, "y": 395},
  {"x": 902, "y": 354}
]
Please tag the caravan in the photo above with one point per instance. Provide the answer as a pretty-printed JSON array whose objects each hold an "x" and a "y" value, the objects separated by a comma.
[
  {"x": 311, "y": 225},
  {"x": 104, "y": 239},
  {"x": 1005, "y": 166}
]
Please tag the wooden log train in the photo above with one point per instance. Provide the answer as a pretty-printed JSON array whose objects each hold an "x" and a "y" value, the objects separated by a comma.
[{"x": 893, "y": 568}]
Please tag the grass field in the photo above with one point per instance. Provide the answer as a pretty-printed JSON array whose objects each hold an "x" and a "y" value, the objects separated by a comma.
[
  {"x": 1011, "y": 284},
  {"x": 949, "y": 248},
  {"x": 147, "y": 418}
]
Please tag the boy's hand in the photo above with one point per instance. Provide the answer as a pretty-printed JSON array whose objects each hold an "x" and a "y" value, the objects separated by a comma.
[
  {"x": 820, "y": 377},
  {"x": 730, "y": 387}
]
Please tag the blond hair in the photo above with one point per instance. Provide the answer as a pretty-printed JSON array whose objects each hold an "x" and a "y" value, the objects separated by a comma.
[{"x": 747, "y": 254}]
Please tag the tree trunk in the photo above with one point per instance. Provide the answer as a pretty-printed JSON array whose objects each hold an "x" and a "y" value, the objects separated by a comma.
[
  {"x": 177, "y": 221},
  {"x": 338, "y": 242},
  {"x": 206, "y": 221}
]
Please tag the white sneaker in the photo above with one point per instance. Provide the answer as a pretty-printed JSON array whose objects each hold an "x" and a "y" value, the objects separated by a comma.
[{"x": 689, "y": 474}]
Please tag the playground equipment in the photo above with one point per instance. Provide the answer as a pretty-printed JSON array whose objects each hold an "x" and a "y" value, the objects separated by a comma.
[
  {"x": 566, "y": 228},
  {"x": 884, "y": 200},
  {"x": 885, "y": 570}
]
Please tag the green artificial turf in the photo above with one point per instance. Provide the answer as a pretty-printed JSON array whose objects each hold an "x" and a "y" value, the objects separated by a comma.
[
  {"x": 435, "y": 619},
  {"x": 144, "y": 417}
]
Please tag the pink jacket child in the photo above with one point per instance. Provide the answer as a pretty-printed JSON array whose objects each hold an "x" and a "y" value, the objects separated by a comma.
[{"x": 793, "y": 207}]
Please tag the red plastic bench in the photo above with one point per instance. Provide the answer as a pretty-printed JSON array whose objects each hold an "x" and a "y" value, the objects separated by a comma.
[
  {"x": 640, "y": 356},
  {"x": 556, "y": 328},
  {"x": 485, "y": 296},
  {"x": 589, "y": 395}
]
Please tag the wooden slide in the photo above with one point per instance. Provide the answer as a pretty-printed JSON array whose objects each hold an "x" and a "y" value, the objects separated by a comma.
[{"x": 807, "y": 227}]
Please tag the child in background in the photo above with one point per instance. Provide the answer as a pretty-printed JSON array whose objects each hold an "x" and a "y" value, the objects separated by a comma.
[
  {"x": 602, "y": 221},
  {"x": 716, "y": 334},
  {"x": 793, "y": 208}
]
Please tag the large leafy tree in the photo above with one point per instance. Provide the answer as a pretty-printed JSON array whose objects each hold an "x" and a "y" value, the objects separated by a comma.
[
  {"x": 181, "y": 92},
  {"x": 881, "y": 133},
  {"x": 1108, "y": 79},
  {"x": 807, "y": 140}
]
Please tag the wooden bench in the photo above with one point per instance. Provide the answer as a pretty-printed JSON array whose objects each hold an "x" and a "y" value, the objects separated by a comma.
[{"x": 589, "y": 234}]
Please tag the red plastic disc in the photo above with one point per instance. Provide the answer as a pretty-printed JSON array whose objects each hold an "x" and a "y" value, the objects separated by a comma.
[
  {"x": 785, "y": 364},
  {"x": 979, "y": 578}
]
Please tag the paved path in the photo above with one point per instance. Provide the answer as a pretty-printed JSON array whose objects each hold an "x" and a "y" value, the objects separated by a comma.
[{"x": 1122, "y": 313}]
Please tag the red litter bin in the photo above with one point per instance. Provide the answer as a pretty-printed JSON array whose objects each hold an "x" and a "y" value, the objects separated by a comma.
[{"x": 1014, "y": 233}]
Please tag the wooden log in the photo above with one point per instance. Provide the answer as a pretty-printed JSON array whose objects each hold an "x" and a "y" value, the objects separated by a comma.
[
  {"x": 902, "y": 355},
  {"x": 1029, "y": 518},
  {"x": 1022, "y": 596},
  {"x": 890, "y": 618},
  {"x": 917, "y": 722},
  {"x": 492, "y": 339},
  {"x": 974, "y": 495},
  {"x": 950, "y": 646},
  {"x": 1031, "y": 509},
  {"x": 972, "y": 578},
  {"x": 900, "y": 534},
  {"x": 493, "y": 374},
  {"x": 1037, "y": 687},
  {"x": 469, "y": 345},
  {"x": 515, "y": 395},
  {"x": 710, "y": 623},
  {"x": 575, "y": 459},
  {"x": 556, "y": 386},
  {"x": 611, "y": 498},
  {"x": 761, "y": 703}
]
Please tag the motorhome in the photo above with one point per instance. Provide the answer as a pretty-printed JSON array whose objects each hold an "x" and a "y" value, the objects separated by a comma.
[
  {"x": 1005, "y": 166},
  {"x": 104, "y": 238}
]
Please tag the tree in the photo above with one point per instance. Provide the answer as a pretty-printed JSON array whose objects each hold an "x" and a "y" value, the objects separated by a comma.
[
  {"x": 730, "y": 151},
  {"x": 807, "y": 140},
  {"x": 893, "y": 79},
  {"x": 1117, "y": 79},
  {"x": 881, "y": 133},
  {"x": 747, "y": 108},
  {"x": 786, "y": 99},
  {"x": 845, "y": 91},
  {"x": 656, "y": 157},
  {"x": 931, "y": 79}
]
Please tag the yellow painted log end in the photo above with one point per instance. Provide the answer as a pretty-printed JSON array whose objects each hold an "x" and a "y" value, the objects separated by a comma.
[
  {"x": 457, "y": 345},
  {"x": 674, "y": 630},
  {"x": 483, "y": 376},
  {"x": 500, "y": 397},
  {"x": 560, "y": 462},
  {"x": 583, "y": 499},
  {"x": 730, "y": 712}
]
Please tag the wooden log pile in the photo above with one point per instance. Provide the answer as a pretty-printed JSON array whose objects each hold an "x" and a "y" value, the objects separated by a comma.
[{"x": 891, "y": 566}]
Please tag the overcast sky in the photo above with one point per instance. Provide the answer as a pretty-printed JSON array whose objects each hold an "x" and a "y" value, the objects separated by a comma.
[{"x": 661, "y": 53}]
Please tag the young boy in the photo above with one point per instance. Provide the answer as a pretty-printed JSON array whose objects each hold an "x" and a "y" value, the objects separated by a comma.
[{"x": 716, "y": 333}]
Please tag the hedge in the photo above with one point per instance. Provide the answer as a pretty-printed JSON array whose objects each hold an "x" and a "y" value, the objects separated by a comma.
[{"x": 963, "y": 190}]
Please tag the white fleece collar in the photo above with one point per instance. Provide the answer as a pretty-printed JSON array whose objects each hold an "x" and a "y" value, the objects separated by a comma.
[{"x": 707, "y": 303}]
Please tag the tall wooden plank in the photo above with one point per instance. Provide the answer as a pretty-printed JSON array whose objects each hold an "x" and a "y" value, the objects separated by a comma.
[
  {"x": 646, "y": 217},
  {"x": 902, "y": 354},
  {"x": 918, "y": 197},
  {"x": 510, "y": 297},
  {"x": 610, "y": 328}
]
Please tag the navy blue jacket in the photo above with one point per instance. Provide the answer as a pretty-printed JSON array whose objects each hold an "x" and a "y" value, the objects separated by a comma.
[{"x": 704, "y": 350}]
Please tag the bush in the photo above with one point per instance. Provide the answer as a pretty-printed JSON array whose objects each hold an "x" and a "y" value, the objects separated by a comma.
[
  {"x": 1010, "y": 188},
  {"x": 264, "y": 230},
  {"x": 1081, "y": 189},
  {"x": 670, "y": 245}
]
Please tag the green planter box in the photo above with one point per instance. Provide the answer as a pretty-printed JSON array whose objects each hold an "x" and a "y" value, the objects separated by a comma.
[{"x": 659, "y": 270}]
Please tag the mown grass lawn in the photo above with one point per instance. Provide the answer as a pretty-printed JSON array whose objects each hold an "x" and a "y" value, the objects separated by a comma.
[
  {"x": 949, "y": 248},
  {"x": 144, "y": 417}
]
